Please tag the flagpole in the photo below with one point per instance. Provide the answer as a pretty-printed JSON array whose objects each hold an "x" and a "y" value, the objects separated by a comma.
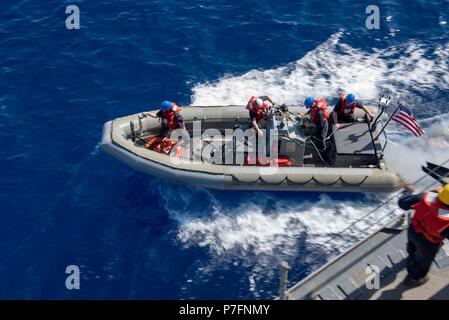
[{"x": 388, "y": 121}]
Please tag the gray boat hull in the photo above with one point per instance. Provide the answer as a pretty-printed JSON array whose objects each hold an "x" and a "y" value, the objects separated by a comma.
[{"x": 117, "y": 143}]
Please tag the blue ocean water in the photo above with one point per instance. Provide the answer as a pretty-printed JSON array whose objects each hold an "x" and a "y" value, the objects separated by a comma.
[{"x": 63, "y": 202}]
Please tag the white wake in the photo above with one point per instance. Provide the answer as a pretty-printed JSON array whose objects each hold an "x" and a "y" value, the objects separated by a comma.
[{"x": 331, "y": 68}]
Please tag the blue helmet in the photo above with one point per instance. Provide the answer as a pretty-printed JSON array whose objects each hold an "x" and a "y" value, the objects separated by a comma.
[
  {"x": 309, "y": 102},
  {"x": 350, "y": 98},
  {"x": 165, "y": 105}
]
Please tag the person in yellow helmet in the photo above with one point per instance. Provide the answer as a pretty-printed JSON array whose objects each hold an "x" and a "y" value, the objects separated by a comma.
[{"x": 428, "y": 228}]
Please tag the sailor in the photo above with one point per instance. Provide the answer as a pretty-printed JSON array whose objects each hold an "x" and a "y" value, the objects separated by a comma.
[
  {"x": 345, "y": 108},
  {"x": 319, "y": 115},
  {"x": 429, "y": 227},
  {"x": 258, "y": 108},
  {"x": 170, "y": 117}
]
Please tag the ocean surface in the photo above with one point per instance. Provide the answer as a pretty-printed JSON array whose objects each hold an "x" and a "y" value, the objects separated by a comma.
[{"x": 63, "y": 202}]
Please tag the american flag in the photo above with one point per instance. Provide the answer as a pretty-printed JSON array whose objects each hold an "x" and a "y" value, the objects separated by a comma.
[{"x": 407, "y": 119}]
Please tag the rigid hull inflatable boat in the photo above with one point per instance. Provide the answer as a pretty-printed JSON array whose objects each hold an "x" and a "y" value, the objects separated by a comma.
[{"x": 353, "y": 161}]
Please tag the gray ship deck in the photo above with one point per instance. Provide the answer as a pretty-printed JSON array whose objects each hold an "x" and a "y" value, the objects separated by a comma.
[{"x": 345, "y": 277}]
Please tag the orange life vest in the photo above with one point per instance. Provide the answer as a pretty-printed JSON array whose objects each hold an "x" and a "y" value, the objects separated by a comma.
[
  {"x": 320, "y": 104},
  {"x": 431, "y": 217},
  {"x": 347, "y": 109},
  {"x": 163, "y": 145},
  {"x": 168, "y": 117},
  {"x": 260, "y": 112}
]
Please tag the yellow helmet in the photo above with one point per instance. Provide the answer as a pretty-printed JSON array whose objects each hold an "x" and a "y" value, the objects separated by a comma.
[{"x": 444, "y": 195}]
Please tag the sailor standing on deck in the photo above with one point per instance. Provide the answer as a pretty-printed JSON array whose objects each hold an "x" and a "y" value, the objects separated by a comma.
[
  {"x": 258, "y": 108},
  {"x": 429, "y": 227}
]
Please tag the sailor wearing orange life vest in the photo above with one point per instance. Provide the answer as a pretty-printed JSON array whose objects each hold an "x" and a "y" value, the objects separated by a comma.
[
  {"x": 345, "y": 108},
  {"x": 429, "y": 227},
  {"x": 258, "y": 108},
  {"x": 319, "y": 115},
  {"x": 169, "y": 116}
]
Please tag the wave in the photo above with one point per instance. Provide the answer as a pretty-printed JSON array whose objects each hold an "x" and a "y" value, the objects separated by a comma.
[
  {"x": 259, "y": 230},
  {"x": 248, "y": 228},
  {"x": 303, "y": 232},
  {"x": 334, "y": 67}
]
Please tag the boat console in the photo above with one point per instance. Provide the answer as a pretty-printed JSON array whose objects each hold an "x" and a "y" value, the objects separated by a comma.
[{"x": 290, "y": 132}]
